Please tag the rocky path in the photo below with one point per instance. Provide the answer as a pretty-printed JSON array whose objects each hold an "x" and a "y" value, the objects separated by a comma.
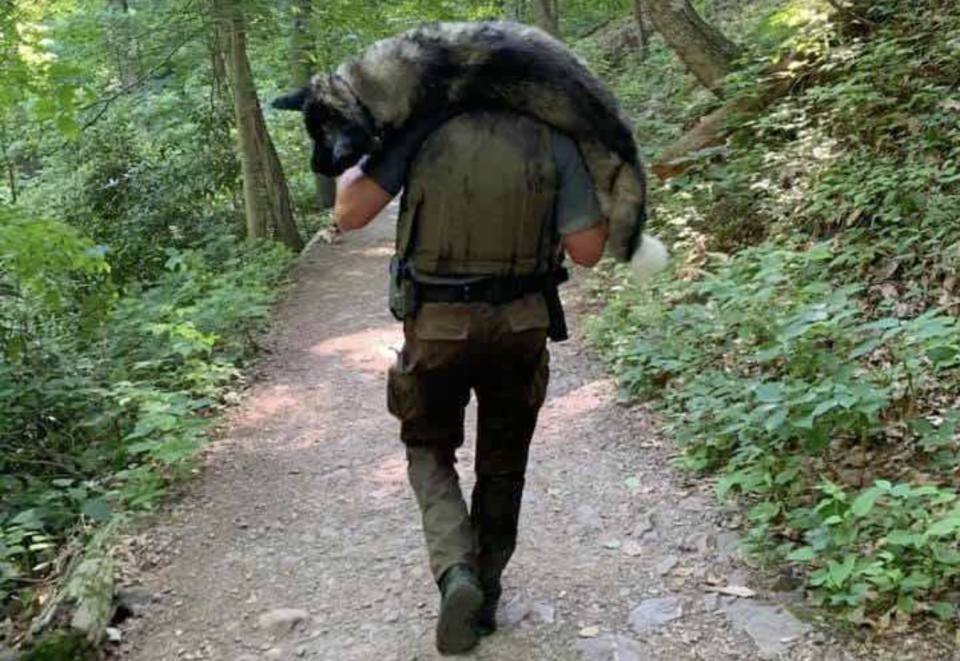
[{"x": 301, "y": 540}]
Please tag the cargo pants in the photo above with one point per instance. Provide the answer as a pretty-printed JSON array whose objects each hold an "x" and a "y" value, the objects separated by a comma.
[{"x": 499, "y": 353}]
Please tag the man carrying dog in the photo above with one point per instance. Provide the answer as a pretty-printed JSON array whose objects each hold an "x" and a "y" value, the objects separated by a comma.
[{"x": 491, "y": 201}]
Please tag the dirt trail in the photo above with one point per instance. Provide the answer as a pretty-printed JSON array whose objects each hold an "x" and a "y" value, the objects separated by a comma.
[{"x": 302, "y": 539}]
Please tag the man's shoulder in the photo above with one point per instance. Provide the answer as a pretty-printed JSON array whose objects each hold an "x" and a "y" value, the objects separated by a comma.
[
  {"x": 492, "y": 119},
  {"x": 505, "y": 123}
]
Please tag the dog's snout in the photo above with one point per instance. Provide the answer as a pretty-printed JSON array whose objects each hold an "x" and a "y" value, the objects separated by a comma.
[{"x": 341, "y": 152}]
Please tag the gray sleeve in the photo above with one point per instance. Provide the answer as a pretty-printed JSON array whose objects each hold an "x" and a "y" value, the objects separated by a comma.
[{"x": 577, "y": 206}]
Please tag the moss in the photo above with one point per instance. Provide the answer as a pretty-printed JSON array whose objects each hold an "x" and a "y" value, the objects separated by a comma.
[{"x": 61, "y": 646}]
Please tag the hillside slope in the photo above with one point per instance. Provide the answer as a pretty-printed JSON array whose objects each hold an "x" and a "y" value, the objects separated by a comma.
[{"x": 806, "y": 343}]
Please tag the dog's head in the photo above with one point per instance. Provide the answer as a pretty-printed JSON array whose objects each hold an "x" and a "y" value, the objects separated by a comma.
[{"x": 340, "y": 126}]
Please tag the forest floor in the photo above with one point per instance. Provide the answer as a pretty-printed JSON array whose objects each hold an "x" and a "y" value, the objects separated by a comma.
[{"x": 301, "y": 539}]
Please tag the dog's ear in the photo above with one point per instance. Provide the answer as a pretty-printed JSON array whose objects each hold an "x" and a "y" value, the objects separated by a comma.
[{"x": 293, "y": 101}]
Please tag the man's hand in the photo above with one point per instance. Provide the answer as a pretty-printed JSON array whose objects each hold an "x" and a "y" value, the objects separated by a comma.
[{"x": 359, "y": 200}]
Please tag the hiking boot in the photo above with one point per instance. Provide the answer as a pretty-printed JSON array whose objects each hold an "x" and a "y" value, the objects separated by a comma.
[
  {"x": 486, "y": 622},
  {"x": 460, "y": 602}
]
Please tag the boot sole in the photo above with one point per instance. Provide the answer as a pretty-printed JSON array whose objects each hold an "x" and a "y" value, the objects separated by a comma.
[{"x": 455, "y": 632}]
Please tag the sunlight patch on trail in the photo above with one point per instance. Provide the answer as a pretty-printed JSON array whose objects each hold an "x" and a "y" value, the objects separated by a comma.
[
  {"x": 578, "y": 402},
  {"x": 371, "y": 350}
]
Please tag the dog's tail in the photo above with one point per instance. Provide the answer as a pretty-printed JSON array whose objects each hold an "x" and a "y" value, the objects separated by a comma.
[{"x": 650, "y": 258}]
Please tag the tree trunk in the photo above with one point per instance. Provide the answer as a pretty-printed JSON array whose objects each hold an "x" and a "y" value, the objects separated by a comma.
[
  {"x": 642, "y": 30},
  {"x": 125, "y": 50},
  {"x": 302, "y": 64},
  {"x": 8, "y": 164},
  {"x": 545, "y": 16},
  {"x": 706, "y": 52},
  {"x": 265, "y": 193},
  {"x": 515, "y": 10}
]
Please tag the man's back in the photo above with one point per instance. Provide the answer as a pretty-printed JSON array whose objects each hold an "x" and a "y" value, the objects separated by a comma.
[
  {"x": 490, "y": 198},
  {"x": 480, "y": 198}
]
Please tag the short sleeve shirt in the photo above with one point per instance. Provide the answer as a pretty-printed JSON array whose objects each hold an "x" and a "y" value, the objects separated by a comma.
[{"x": 577, "y": 208}]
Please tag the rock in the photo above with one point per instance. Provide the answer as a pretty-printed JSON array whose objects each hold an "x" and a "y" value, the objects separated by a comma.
[
  {"x": 514, "y": 611},
  {"x": 632, "y": 548},
  {"x": 773, "y": 629},
  {"x": 710, "y": 602},
  {"x": 736, "y": 591},
  {"x": 7, "y": 654},
  {"x": 113, "y": 635},
  {"x": 273, "y": 654},
  {"x": 543, "y": 613},
  {"x": 666, "y": 565},
  {"x": 588, "y": 517},
  {"x": 651, "y": 614},
  {"x": 589, "y": 632},
  {"x": 392, "y": 616},
  {"x": 644, "y": 526},
  {"x": 609, "y": 648},
  {"x": 134, "y": 600},
  {"x": 702, "y": 544},
  {"x": 694, "y": 503},
  {"x": 728, "y": 544},
  {"x": 282, "y": 621}
]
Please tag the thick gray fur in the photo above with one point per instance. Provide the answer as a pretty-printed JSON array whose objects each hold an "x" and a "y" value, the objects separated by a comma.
[{"x": 446, "y": 67}]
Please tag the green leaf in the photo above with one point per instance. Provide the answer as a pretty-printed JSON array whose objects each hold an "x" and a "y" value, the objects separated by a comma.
[
  {"x": 942, "y": 609},
  {"x": 805, "y": 554},
  {"x": 945, "y": 526},
  {"x": 770, "y": 393},
  {"x": 863, "y": 504},
  {"x": 824, "y": 407},
  {"x": 916, "y": 581},
  {"x": 776, "y": 420},
  {"x": 96, "y": 509},
  {"x": 902, "y": 538},
  {"x": 840, "y": 571}
]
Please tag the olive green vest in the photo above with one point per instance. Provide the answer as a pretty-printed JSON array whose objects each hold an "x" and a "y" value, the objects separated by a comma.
[{"x": 480, "y": 199}]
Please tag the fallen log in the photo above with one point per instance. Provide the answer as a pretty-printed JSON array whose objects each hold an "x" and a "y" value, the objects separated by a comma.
[
  {"x": 711, "y": 132},
  {"x": 76, "y": 618}
]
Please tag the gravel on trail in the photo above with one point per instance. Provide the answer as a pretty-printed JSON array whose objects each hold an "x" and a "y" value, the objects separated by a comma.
[{"x": 301, "y": 538}]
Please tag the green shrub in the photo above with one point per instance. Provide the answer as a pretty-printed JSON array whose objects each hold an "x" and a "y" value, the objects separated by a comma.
[
  {"x": 106, "y": 395},
  {"x": 780, "y": 379}
]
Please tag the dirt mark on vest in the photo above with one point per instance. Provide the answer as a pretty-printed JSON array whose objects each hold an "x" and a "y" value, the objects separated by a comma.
[{"x": 301, "y": 540}]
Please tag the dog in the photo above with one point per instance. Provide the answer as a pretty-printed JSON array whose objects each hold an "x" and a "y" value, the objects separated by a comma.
[{"x": 442, "y": 68}]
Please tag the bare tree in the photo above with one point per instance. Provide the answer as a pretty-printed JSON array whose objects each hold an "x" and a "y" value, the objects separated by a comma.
[
  {"x": 301, "y": 48},
  {"x": 643, "y": 31},
  {"x": 708, "y": 54},
  {"x": 265, "y": 193},
  {"x": 126, "y": 50},
  {"x": 516, "y": 9},
  {"x": 546, "y": 16}
]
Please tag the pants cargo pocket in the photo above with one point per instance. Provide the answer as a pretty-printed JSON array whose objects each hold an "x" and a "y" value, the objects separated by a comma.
[
  {"x": 403, "y": 395},
  {"x": 537, "y": 393}
]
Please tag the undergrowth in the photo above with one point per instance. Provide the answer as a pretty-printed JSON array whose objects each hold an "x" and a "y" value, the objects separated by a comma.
[
  {"x": 106, "y": 392},
  {"x": 806, "y": 345}
]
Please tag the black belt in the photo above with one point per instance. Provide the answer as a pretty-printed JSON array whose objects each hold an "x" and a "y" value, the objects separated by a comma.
[{"x": 495, "y": 291}]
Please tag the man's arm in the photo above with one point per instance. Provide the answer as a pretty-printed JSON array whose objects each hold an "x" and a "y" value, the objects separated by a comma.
[
  {"x": 359, "y": 199},
  {"x": 366, "y": 189},
  {"x": 583, "y": 233},
  {"x": 585, "y": 248}
]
